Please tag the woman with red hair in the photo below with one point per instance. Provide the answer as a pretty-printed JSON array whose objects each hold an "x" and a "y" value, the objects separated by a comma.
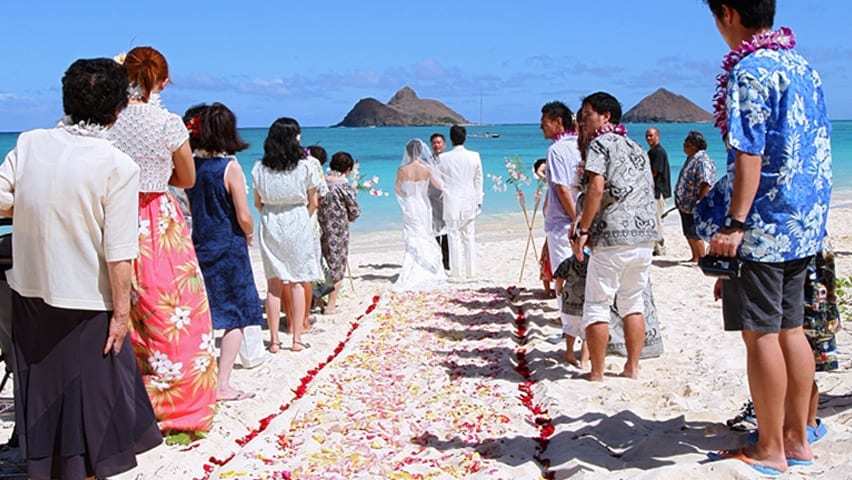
[{"x": 172, "y": 331}]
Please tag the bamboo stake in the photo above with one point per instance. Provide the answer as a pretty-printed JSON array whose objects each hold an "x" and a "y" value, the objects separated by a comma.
[{"x": 530, "y": 235}]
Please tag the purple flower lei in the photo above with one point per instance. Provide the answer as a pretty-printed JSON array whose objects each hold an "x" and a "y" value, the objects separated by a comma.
[
  {"x": 610, "y": 128},
  {"x": 781, "y": 39}
]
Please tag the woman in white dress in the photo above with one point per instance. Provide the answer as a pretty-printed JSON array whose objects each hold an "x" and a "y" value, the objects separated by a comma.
[
  {"x": 422, "y": 268},
  {"x": 285, "y": 189}
]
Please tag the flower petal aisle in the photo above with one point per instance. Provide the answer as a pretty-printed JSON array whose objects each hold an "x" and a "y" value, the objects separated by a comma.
[{"x": 430, "y": 392}]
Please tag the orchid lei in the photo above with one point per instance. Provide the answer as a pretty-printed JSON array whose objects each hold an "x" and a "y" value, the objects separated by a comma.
[{"x": 781, "y": 39}]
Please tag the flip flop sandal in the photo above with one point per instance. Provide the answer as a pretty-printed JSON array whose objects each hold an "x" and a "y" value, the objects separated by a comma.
[
  {"x": 276, "y": 346},
  {"x": 764, "y": 470},
  {"x": 304, "y": 345},
  {"x": 815, "y": 434},
  {"x": 795, "y": 462},
  {"x": 240, "y": 396}
]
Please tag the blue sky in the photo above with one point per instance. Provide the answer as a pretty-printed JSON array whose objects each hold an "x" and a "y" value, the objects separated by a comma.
[{"x": 314, "y": 60}]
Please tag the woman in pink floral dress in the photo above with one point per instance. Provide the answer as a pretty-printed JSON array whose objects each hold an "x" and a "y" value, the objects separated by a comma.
[{"x": 172, "y": 331}]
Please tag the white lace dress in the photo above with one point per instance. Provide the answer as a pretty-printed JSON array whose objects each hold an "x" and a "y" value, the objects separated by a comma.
[
  {"x": 287, "y": 240},
  {"x": 422, "y": 267}
]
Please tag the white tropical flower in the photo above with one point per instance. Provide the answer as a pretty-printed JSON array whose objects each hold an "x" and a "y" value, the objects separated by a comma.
[{"x": 180, "y": 317}]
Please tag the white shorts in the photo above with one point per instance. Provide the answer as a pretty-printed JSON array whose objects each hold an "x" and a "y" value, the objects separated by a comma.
[
  {"x": 616, "y": 274},
  {"x": 572, "y": 325},
  {"x": 558, "y": 248}
]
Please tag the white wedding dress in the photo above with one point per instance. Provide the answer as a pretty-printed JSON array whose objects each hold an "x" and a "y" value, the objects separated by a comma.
[{"x": 422, "y": 267}]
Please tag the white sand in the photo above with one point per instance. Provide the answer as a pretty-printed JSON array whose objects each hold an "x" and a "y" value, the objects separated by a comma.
[{"x": 660, "y": 426}]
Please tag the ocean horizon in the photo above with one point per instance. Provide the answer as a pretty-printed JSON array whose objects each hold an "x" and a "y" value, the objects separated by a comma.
[{"x": 379, "y": 151}]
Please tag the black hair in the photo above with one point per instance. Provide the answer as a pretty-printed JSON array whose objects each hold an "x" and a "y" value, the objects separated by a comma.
[
  {"x": 193, "y": 111},
  {"x": 458, "y": 135},
  {"x": 94, "y": 91},
  {"x": 342, "y": 162},
  {"x": 602, "y": 102},
  {"x": 538, "y": 163},
  {"x": 554, "y": 110},
  {"x": 753, "y": 13},
  {"x": 696, "y": 139},
  {"x": 217, "y": 131},
  {"x": 319, "y": 153},
  {"x": 437, "y": 135},
  {"x": 281, "y": 150},
  {"x": 192, "y": 120}
]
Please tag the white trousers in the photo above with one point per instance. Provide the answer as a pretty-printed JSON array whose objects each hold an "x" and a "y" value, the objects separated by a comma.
[{"x": 462, "y": 242}]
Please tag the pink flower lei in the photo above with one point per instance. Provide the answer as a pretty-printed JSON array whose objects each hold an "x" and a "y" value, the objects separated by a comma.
[
  {"x": 781, "y": 39},
  {"x": 610, "y": 128}
]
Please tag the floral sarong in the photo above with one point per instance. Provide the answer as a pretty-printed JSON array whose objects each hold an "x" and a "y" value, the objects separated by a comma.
[{"x": 172, "y": 331}]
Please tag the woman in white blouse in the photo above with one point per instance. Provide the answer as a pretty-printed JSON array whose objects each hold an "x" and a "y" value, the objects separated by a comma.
[
  {"x": 172, "y": 331},
  {"x": 81, "y": 407}
]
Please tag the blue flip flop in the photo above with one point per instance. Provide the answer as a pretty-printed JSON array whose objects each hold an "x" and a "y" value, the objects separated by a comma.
[
  {"x": 795, "y": 462},
  {"x": 763, "y": 470},
  {"x": 815, "y": 434}
]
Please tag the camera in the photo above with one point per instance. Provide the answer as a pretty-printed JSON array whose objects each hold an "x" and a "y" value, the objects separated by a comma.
[{"x": 720, "y": 267}]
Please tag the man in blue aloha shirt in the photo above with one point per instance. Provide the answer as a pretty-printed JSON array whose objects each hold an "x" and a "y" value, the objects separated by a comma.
[{"x": 771, "y": 212}]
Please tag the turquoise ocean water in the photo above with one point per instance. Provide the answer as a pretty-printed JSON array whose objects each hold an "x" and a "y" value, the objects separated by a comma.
[{"x": 379, "y": 151}]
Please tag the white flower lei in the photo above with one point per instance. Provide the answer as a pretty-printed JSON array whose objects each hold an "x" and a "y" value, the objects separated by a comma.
[{"x": 83, "y": 129}]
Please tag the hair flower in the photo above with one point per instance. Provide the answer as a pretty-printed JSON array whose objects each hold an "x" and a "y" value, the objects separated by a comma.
[{"x": 120, "y": 58}]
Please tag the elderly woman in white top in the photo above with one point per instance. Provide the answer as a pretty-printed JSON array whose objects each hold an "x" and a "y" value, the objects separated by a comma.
[{"x": 82, "y": 409}]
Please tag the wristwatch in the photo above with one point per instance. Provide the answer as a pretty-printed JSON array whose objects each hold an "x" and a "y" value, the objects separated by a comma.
[{"x": 733, "y": 224}]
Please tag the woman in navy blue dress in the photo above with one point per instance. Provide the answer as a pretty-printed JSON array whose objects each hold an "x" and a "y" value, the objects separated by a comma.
[{"x": 222, "y": 231}]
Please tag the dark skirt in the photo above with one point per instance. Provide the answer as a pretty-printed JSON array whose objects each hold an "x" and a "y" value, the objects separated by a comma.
[{"x": 79, "y": 413}]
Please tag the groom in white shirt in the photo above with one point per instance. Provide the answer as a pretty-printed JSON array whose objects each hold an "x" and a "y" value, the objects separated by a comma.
[{"x": 461, "y": 170}]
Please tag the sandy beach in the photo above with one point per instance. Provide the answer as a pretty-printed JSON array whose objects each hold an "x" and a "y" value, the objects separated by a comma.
[{"x": 457, "y": 384}]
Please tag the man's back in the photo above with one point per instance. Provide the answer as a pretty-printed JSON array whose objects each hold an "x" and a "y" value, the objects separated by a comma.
[{"x": 462, "y": 178}]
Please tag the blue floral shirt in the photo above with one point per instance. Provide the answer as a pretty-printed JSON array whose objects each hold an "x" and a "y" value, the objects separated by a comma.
[{"x": 776, "y": 109}]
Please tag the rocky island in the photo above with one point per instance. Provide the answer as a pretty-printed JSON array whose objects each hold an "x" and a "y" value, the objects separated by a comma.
[
  {"x": 405, "y": 108},
  {"x": 664, "y": 106}
]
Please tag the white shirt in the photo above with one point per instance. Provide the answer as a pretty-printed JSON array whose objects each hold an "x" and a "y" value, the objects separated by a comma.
[
  {"x": 563, "y": 162},
  {"x": 461, "y": 172},
  {"x": 76, "y": 201}
]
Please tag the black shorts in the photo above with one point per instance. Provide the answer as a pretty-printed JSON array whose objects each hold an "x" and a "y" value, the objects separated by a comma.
[
  {"x": 766, "y": 298},
  {"x": 687, "y": 222}
]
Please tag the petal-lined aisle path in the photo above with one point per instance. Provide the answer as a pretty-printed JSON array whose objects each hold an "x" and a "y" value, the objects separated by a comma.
[{"x": 431, "y": 391}]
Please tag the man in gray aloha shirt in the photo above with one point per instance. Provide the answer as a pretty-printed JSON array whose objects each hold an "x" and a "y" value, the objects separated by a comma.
[{"x": 619, "y": 224}]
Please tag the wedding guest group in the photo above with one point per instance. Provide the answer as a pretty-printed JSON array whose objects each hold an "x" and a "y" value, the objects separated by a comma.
[{"x": 771, "y": 215}]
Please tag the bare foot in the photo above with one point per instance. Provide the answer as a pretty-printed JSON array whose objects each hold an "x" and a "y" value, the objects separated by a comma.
[
  {"x": 571, "y": 359},
  {"x": 230, "y": 394},
  {"x": 330, "y": 310},
  {"x": 630, "y": 372},
  {"x": 274, "y": 347},
  {"x": 593, "y": 377}
]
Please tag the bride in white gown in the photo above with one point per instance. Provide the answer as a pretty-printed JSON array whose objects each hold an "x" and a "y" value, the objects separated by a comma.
[{"x": 422, "y": 268}]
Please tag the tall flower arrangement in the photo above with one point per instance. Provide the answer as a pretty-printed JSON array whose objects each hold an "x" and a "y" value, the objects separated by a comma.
[{"x": 370, "y": 185}]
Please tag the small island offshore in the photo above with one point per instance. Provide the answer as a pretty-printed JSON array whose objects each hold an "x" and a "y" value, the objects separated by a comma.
[
  {"x": 664, "y": 106},
  {"x": 405, "y": 108}
]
